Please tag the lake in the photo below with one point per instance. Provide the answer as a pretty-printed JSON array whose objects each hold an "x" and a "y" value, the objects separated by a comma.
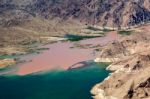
[
  {"x": 55, "y": 84},
  {"x": 46, "y": 75}
]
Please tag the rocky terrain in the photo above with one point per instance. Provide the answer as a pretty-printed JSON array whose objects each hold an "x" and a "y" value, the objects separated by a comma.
[
  {"x": 105, "y": 13},
  {"x": 130, "y": 73}
]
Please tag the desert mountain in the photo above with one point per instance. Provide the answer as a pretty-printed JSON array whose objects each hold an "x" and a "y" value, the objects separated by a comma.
[{"x": 106, "y": 13}]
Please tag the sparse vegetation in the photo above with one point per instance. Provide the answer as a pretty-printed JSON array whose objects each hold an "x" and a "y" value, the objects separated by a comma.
[
  {"x": 72, "y": 37},
  {"x": 125, "y": 32}
]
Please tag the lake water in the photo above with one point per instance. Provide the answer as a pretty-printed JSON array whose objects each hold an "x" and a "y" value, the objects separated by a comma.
[
  {"x": 46, "y": 75},
  {"x": 56, "y": 84}
]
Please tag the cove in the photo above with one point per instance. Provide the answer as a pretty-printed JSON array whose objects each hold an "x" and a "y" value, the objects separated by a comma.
[{"x": 54, "y": 84}]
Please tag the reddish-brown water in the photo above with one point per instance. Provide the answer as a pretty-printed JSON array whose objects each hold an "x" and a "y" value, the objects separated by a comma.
[{"x": 61, "y": 56}]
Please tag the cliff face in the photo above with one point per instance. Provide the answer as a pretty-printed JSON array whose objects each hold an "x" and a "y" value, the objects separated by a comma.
[
  {"x": 129, "y": 82},
  {"x": 106, "y": 13},
  {"x": 130, "y": 77}
]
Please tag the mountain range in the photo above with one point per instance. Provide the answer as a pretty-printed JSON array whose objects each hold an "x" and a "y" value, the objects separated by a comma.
[{"x": 104, "y": 13}]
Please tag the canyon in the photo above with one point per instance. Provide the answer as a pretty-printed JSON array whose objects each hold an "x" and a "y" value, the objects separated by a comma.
[{"x": 26, "y": 24}]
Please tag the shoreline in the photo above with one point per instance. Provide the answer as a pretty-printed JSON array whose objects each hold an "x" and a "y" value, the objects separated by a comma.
[
  {"x": 98, "y": 93},
  {"x": 124, "y": 82}
]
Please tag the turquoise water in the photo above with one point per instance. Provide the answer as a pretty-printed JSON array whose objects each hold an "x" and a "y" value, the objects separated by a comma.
[{"x": 57, "y": 84}]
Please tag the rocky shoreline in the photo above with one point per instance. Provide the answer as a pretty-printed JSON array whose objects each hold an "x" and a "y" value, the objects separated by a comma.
[{"x": 130, "y": 57}]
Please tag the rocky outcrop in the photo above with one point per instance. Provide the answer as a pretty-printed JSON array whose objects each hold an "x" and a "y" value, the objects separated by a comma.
[
  {"x": 131, "y": 73},
  {"x": 122, "y": 85},
  {"x": 124, "y": 47}
]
